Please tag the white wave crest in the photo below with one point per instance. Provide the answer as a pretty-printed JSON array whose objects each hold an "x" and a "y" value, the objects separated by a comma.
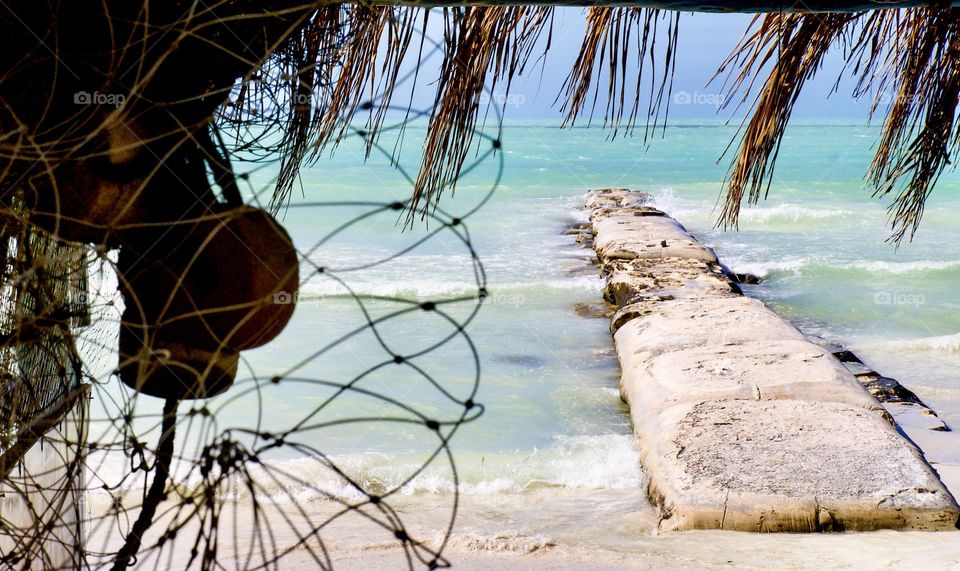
[
  {"x": 764, "y": 268},
  {"x": 785, "y": 212},
  {"x": 438, "y": 288},
  {"x": 505, "y": 541},
  {"x": 903, "y": 267},
  {"x": 597, "y": 462},
  {"x": 939, "y": 343}
]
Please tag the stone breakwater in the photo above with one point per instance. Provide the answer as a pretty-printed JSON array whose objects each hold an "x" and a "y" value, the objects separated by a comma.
[{"x": 744, "y": 423}]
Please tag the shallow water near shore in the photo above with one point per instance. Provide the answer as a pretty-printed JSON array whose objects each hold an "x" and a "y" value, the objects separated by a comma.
[{"x": 549, "y": 473}]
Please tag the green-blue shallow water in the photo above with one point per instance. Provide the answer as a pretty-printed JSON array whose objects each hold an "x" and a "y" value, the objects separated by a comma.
[{"x": 549, "y": 381}]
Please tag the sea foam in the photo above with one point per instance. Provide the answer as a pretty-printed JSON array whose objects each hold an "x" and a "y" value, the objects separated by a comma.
[
  {"x": 591, "y": 462},
  {"x": 799, "y": 265},
  {"x": 786, "y": 212},
  {"x": 419, "y": 288},
  {"x": 939, "y": 343}
]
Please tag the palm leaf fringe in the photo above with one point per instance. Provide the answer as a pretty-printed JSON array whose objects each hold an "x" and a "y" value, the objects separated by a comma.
[
  {"x": 794, "y": 45},
  {"x": 612, "y": 35},
  {"x": 334, "y": 65},
  {"x": 910, "y": 59}
]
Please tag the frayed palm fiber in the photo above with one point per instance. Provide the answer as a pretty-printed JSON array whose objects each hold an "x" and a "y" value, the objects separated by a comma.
[
  {"x": 909, "y": 60},
  {"x": 913, "y": 54}
]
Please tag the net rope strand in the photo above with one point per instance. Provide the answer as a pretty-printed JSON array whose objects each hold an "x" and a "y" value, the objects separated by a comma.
[{"x": 66, "y": 294}]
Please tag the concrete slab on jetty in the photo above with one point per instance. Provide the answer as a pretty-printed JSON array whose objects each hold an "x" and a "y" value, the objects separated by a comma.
[{"x": 744, "y": 423}]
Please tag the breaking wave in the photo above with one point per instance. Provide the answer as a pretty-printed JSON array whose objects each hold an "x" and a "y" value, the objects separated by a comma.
[
  {"x": 598, "y": 462},
  {"x": 800, "y": 265}
]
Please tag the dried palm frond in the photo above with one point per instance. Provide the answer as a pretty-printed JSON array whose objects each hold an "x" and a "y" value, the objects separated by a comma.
[
  {"x": 794, "y": 45},
  {"x": 608, "y": 38},
  {"x": 346, "y": 54},
  {"x": 277, "y": 109},
  {"x": 483, "y": 46},
  {"x": 919, "y": 133},
  {"x": 378, "y": 32},
  {"x": 909, "y": 58},
  {"x": 328, "y": 70}
]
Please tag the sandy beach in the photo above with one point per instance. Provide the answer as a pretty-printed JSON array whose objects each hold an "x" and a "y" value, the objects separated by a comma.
[{"x": 495, "y": 534}]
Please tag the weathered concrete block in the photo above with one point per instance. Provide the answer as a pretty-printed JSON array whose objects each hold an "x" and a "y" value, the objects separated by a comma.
[
  {"x": 625, "y": 226},
  {"x": 633, "y": 280},
  {"x": 674, "y": 325},
  {"x": 760, "y": 370},
  {"x": 786, "y": 465},
  {"x": 623, "y": 236},
  {"x": 607, "y": 197}
]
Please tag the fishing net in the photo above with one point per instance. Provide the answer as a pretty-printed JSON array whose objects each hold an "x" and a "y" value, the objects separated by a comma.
[{"x": 98, "y": 474}]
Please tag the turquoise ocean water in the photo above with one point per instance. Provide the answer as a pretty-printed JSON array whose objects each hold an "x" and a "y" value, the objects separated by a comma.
[{"x": 552, "y": 458}]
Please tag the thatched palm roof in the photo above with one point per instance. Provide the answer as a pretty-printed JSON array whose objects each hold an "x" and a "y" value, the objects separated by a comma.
[
  {"x": 304, "y": 71},
  {"x": 912, "y": 53}
]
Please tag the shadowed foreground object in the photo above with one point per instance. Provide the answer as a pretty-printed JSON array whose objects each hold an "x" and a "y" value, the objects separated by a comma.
[
  {"x": 727, "y": 6},
  {"x": 200, "y": 294}
]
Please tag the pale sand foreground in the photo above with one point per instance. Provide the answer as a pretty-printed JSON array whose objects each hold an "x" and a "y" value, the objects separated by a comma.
[
  {"x": 684, "y": 550},
  {"x": 566, "y": 529},
  {"x": 705, "y": 550}
]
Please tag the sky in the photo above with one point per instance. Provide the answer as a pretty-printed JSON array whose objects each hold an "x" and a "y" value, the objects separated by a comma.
[{"x": 704, "y": 42}]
